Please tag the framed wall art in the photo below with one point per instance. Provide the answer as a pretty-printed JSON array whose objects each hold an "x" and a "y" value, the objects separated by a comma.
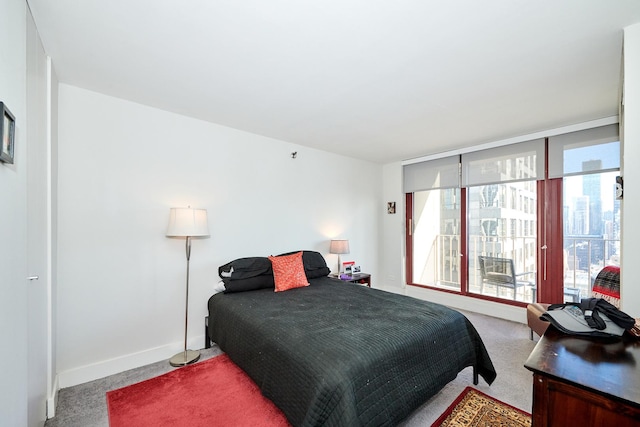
[{"x": 8, "y": 132}]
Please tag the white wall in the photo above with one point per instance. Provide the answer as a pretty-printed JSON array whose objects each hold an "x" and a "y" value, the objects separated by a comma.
[
  {"x": 392, "y": 245},
  {"x": 13, "y": 185},
  {"x": 630, "y": 206},
  {"x": 121, "y": 282}
]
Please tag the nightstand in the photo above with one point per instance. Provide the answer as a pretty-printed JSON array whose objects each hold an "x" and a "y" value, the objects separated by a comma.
[{"x": 360, "y": 278}]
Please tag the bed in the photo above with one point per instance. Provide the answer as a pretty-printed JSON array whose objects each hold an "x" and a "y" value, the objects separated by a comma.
[{"x": 341, "y": 354}]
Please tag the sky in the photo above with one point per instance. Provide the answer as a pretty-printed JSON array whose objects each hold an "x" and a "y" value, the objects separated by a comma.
[{"x": 609, "y": 154}]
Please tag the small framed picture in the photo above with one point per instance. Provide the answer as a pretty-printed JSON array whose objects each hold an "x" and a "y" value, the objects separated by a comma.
[
  {"x": 391, "y": 208},
  {"x": 347, "y": 267},
  {"x": 8, "y": 131},
  {"x": 355, "y": 269}
]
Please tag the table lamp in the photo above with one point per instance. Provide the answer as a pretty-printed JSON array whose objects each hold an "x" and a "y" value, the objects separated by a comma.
[{"x": 339, "y": 247}]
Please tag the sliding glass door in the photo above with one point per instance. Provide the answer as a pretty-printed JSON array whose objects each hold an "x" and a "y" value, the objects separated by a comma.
[
  {"x": 436, "y": 238},
  {"x": 532, "y": 221},
  {"x": 503, "y": 240}
]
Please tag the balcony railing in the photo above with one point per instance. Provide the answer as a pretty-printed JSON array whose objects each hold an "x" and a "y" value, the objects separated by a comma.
[{"x": 584, "y": 258}]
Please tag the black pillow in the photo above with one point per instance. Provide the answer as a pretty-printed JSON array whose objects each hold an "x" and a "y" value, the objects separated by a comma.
[
  {"x": 314, "y": 264},
  {"x": 318, "y": 272},
  {"x": 249, "y": 284},
  {"x": 311, "y": 260},
  {"x": 244, "y": 268}
]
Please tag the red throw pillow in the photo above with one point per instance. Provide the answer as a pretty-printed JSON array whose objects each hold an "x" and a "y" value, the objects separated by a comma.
[{"x": 288, "y": 272}]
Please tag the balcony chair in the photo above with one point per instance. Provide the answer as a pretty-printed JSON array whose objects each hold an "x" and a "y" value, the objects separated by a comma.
[
  {"x": 606, "y": 286},
  {"x": 500, "y": 272}
]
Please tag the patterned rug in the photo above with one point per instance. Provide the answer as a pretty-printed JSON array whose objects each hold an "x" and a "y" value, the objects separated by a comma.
[{"x": 475, "y": 409}]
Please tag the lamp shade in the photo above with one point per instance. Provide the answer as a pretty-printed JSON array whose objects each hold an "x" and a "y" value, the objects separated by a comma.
[
  {"x": 339, "y": 247},
  {"x": 187, "y": 222}
]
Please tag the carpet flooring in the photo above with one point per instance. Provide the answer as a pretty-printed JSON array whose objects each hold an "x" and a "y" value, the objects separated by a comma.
[{"x": 507, "y": 342}]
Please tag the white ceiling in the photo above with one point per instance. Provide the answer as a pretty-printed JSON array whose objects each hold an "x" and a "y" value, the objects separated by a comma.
[{"x": 372, "y": 79}]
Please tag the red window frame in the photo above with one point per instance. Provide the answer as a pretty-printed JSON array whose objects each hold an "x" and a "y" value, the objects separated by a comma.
[{"x": 550, "y": 257}]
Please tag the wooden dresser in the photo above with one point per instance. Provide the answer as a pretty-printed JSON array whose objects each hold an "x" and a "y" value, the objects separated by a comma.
[{"x": 585, "y": 381}]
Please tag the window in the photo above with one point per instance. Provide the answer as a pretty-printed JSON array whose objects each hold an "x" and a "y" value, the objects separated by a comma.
[
  {"x": 498, "y": 232},
  {"x": 468, "y": 214},
  {"x": 436, "y": 238},
  {"x": 435, "y": 225},
  {"x": 588, "y": 161},
  {"x": 488, "y": 238}
]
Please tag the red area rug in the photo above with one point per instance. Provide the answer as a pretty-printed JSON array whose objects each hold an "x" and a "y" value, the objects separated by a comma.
[
  {"x": 214, "y": 392},
  {"x": 473, "y": 408}
]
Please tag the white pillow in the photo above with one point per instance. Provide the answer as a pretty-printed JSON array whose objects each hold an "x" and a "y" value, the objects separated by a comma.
[{"x": 218, "y": 287}]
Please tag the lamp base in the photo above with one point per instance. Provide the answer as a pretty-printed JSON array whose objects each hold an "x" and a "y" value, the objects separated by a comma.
[{"x": 184, "y": 358}]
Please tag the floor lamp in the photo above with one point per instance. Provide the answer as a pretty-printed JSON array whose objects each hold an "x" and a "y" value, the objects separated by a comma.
[{"x": 187, "y": 222}]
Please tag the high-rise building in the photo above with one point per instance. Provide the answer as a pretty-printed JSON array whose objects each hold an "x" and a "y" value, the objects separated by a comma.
[
  {"x": 591, "y": 188},
  {"x": 581, "y": 216}
]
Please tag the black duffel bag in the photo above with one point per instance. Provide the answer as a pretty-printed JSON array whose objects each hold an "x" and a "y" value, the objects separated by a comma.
[{"x": 591, "y": 317}]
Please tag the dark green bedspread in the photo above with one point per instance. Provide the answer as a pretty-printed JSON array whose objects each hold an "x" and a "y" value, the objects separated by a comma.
[{"x": 340, "y": 354}]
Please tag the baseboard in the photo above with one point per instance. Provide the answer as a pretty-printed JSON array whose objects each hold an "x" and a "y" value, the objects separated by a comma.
[
  {"x": 95, "y": 371},
  {"x": 52, "y": 400},
  {"x": 460, "y": 302}
]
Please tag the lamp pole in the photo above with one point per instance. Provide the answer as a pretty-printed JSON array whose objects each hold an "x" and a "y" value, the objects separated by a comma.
[
  {"x": 188, "y": 356},
  {"x": 187, "y": 222}
]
